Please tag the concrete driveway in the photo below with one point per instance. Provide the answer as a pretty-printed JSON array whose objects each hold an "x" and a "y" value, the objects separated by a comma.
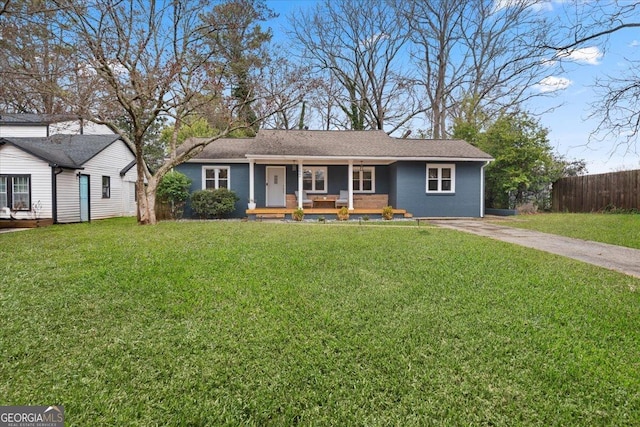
[{"x": 618, "y": 258}]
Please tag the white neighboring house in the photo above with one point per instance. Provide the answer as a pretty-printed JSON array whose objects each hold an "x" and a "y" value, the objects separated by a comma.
[
  {"x": 34, "y": 125},
  {"x": 65, "y": 177}
]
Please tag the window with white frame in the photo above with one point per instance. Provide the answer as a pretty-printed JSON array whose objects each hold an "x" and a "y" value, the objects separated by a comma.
[
  {"x": 364, "y": 180},
  {"x": 15, "y": 192},
  {"x": 4, "y": 192},
  {"x": 441, "y": 178},
  {"x": 314, "y": 179},
  {"x": 215, "y": 177}
]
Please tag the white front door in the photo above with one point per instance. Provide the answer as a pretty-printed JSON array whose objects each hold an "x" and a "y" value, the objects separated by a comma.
[{"x": 276, "y": 184}]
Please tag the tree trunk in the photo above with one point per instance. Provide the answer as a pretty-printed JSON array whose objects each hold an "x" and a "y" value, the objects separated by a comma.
[{"x": 147, "y": 202}]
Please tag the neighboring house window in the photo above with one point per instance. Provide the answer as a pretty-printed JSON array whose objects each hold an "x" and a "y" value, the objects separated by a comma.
[
  {"x": 106, "y": 187},
  {"x": 441, "y": 178},
  {"x": 364, "y": 180},
  {"x": 15, "y": 192},
  {"x": 216, "y": 177},
  {"x": 4, "y": 193},
  {"x": 314, "y": 179}
]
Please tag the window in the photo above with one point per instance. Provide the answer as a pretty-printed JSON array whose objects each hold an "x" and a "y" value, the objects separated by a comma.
[
  {"x": 4, "y": 193},
  {"x": 441, "y": 178},
  {"x": 15, "y": 192},
  {"x": 215, "y": 177},
  {"x": 106, "y": 187},
  {"x": 314, "y": 179},
  {"x": 364, "y": 180}
]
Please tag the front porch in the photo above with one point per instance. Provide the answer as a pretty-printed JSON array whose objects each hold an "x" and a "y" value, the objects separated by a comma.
[
  {"x": 324, "y": 205},
  {"x": 282, "y": 213}
]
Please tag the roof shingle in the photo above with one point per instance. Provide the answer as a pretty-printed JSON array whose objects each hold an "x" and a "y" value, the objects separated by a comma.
[
  {"x": 68, "y": 151},
  {"x": 339, "y": 144},
  {"x": 35, "y": 119}
]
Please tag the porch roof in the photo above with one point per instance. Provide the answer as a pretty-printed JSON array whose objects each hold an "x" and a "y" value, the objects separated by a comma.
[{"x": 314, "y": 144}]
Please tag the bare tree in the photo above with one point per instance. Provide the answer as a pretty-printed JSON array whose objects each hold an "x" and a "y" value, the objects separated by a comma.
[
  {"x": 617, "y": 96},
  {"x": 240, "y": 48},
  {"x": 359, "y": 44},
  {"x": 488, "y": 52},
  {"x": 286, "y": 85},
  {"x": 34, "y": 66},
  {"x": 324, "y": 101},
  {"x": 4, "y": 6},
  {"x": 152, "y": 64}
]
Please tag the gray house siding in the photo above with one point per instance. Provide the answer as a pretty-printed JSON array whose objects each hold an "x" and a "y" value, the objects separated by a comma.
[
  {"x": 410, "y": 191},
  {"x": 404, "y": 182},
  {"x": 338, "y": 179}
]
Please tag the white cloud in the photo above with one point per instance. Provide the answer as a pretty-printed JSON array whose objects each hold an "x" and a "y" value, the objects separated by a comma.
[
  {"x": 586, "y": 55},
  {"x": 537, "y": 5},
  {"x": 634, "y": 43},
  {"x": 553, "y": 83},
  {"x": 373, "y": 40}
]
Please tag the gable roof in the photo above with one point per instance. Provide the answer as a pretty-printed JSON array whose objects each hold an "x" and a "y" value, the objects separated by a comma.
[
  {"x": 65, "y": 151},
  {"x": 34, "y": 119},
  {"x": 339, "y": 145}
]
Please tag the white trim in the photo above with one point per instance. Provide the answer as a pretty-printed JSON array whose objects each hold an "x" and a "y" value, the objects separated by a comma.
[
  {"x": 440, "y": 167},
  {"x": 350, "y": 184},
  {"x": 482, "y": 188},
  {"x": 252, "y": 197},
  {"x": 368, "y": 159},
  {"x": 284, "y": 186},
  {"x": 5, "y": 192},
  {"x": 300, "y": 184},
  {"x": 216, "y": 181},
  {"x": 215, "y": 161},
  {"x": 361, "y": 180},
  {"x": 314, "y": 169}
]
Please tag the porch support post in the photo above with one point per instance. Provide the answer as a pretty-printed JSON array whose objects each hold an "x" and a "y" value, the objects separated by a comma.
[
  {"x": 350, "y": 184},
  {"x": 300, "y": 184},
  {"x": 252, "y": 196},
  {"x": 482, "y": 189}
]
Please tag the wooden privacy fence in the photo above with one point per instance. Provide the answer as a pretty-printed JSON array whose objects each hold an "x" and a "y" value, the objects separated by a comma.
[{"x": 591, "y": 193}]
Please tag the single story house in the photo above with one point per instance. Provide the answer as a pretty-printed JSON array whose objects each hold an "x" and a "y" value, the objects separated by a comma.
[
  {"x": 320, "y": 171},
  {"x": 66, "y": 178}
]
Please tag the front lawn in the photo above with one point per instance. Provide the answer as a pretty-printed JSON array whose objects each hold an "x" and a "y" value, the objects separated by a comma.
[
  {"x": 616, "y": 229},
  {"x": 231, "y": 323}
]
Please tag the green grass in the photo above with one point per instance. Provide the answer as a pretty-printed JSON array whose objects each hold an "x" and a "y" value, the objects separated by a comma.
[
  {"x": 230, "y": 323},
  {"x": 616, "y": 229}
]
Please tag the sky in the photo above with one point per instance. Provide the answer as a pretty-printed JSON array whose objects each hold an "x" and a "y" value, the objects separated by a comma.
[{"x": 566, "y": 112}]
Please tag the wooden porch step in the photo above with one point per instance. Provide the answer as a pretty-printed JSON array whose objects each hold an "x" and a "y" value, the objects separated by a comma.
[
  {"x": 282, "y": 212},
  {"x": 274, "y": 215}
]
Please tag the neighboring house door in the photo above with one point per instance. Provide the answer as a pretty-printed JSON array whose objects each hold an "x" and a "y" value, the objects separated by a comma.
[
  {"x": 84, "y": 198},
  {"x": 276, "y": 186}
]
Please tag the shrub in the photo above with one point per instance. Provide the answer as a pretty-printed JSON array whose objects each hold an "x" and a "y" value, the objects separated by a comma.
[
  {"x": 343, "y": 214},
  {"x": 527, "y": 208},
  {"x": 387, "y": 213},
  {"x": 298, "y": 214},
  {"x": 213, "y": 203},
  {"x": 612, "y": 209},
  {"x": 174, "y": 190}
]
